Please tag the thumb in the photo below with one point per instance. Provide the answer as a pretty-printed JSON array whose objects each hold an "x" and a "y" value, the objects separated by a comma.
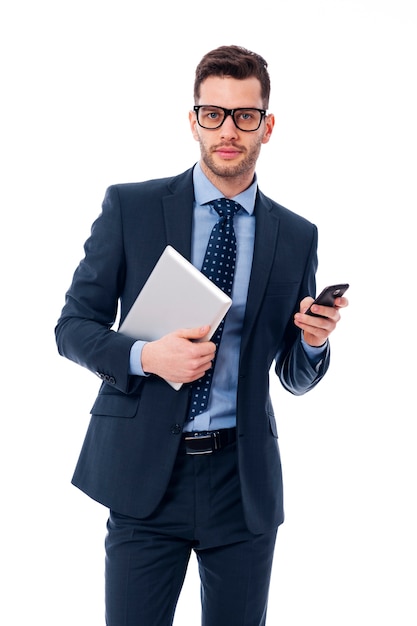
[
  {"x": 305, "y": 303},
  {"x": 194, "y": 333}
]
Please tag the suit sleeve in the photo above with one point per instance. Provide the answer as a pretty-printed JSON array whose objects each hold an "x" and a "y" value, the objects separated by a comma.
[
  {"x": 297, "y": 374},
  {"x": 294, "y": 368},
  {"x": 84, "y": 330}
]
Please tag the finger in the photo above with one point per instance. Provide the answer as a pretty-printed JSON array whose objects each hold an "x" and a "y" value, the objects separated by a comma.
[
  {"x": 341, "y": 303},
  {"x": 328, "y": 312},
  {"x": 321, "y": 322}
]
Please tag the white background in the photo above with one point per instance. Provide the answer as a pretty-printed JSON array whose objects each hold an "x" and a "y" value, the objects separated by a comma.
[{"x": 98, "y": 92}]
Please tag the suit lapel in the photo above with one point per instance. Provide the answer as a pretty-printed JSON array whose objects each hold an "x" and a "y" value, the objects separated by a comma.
[
  {"x": 266, "y": 235},
  {"x": 178, "y": 215}
]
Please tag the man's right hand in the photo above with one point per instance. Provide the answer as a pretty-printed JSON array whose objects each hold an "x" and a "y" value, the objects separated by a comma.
[{"x": 179, "y": 356}]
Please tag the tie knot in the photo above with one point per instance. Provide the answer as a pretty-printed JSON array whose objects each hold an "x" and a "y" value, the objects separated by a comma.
[{"x": 226, "y": 207}]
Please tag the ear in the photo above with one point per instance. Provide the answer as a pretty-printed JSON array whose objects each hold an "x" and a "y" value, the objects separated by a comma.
[
  {"x": 193, "y": 124},
  {"x": 269, "y": 126}
]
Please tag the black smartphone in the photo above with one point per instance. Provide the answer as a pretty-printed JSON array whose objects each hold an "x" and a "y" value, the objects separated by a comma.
[{"x": 328, "y": 296}]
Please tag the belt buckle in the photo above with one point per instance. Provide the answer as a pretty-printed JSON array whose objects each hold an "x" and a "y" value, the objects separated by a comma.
[{"x": 199, "y": 437}]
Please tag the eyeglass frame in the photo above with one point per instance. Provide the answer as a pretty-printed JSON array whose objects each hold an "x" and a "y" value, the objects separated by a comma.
[{"x": 230, "y": 112}]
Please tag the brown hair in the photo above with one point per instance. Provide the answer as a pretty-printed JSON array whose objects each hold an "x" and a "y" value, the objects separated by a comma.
[{"x": 236, "y": 62}]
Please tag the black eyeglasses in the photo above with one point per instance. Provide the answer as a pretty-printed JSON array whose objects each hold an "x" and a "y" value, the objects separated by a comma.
[{"x": 212, "y": 117}]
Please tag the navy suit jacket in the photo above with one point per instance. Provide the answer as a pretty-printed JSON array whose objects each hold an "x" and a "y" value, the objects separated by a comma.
[{"x": 136, "y": 423}]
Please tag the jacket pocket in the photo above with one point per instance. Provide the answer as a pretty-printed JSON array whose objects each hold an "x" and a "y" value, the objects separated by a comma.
[
  {"x": 271, "y": 416},
  {"x": 273, "y": 425},
  {"x": 115, "y": 405},
  {"x": 278, "y": 289}
]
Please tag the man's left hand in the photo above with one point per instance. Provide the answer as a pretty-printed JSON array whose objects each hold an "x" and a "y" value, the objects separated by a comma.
[{"x": 317, "y": 329}]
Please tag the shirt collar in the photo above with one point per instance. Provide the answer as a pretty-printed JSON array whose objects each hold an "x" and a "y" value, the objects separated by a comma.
[{"x": 205, "y": 191}]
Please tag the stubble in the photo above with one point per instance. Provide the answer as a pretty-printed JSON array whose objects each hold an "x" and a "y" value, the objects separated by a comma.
[{"x": 231, "y": 170}]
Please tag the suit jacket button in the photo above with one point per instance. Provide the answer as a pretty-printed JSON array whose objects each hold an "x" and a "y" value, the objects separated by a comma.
[{"x": 176, "y": 429}]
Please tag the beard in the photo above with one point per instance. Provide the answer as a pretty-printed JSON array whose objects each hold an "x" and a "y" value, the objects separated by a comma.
[{"x": 231, "y": 170}]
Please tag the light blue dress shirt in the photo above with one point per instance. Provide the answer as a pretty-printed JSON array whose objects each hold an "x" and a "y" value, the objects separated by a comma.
[{"x": 221, "y": 410}]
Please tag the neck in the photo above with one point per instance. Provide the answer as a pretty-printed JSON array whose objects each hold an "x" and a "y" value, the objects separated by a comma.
[{"x": 229, "y": 186}]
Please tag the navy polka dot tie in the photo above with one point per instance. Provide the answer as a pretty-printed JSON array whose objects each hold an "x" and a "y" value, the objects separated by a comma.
[{"x": 218, "y": 266}]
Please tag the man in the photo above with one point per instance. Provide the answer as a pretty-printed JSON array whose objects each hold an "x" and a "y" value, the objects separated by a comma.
[{"x": 208, "y": 481}]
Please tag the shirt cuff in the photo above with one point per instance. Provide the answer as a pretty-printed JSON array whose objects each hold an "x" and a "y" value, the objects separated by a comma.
[
  {"x": 314, "y": 353},
  {"x": 135, "y": 361}
]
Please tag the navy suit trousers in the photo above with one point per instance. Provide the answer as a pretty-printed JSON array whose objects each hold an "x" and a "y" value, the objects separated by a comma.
[{"x": 146, "y": 559}]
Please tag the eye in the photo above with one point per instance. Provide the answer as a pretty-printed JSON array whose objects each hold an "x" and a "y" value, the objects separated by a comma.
[
  {"x": 211, "y": 113},
  {"x": 246, "y": 115}
]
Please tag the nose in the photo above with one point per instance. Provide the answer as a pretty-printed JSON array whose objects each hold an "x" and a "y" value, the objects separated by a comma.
[{"x": 228, "y": 128}]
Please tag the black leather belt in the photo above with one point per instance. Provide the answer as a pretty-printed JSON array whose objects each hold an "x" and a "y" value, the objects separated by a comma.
[{"x": 207, "y": 442}]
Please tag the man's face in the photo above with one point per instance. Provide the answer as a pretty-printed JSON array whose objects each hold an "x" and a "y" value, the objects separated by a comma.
[{"x": 228, "y": 152}]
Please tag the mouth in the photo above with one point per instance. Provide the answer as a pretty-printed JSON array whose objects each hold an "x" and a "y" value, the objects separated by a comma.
[{"x": 227, "y": 152}]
